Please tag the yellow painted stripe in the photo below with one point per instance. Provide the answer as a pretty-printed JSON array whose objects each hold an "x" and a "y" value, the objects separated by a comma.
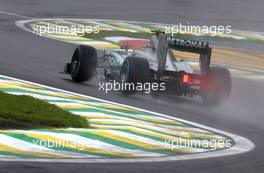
[
  {"x": 20, "y": 84},
  {"x": 73, "y": 106},
  {"x": 6, "y": 148},
  {"x": 102, "y": 46},
  {"x": 4, "y": 86}
]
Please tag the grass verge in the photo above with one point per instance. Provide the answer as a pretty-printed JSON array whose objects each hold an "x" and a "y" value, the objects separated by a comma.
[{"x": 28, "y": 112}]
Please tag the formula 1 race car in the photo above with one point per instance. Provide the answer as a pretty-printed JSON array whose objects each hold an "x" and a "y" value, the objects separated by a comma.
[{"x": 156, "y": 64}]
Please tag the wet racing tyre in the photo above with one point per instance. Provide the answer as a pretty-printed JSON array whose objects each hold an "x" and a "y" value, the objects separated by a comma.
[
  {"x": 217, "y": 86},
  {"x": 134, "y": 71},
  {"x": 83, "y": 64}
]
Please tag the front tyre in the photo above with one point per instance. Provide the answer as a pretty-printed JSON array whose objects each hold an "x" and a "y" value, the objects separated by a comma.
[
  {"x": 217, "y": 86},
  {"x": 83, "y": 64}
]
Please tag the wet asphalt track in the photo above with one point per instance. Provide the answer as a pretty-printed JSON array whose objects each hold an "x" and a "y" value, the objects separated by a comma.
[{"x": 36, "y": 59}]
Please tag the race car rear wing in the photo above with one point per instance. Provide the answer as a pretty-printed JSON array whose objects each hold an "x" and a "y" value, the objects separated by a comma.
[
  {"x": 165, "y": 42},
  {"x": 188, "y": 45},
  {"x": 193, "y": 46}
]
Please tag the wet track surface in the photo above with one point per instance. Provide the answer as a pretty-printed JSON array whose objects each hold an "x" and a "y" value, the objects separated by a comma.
[{"x": 40, "y": 60}]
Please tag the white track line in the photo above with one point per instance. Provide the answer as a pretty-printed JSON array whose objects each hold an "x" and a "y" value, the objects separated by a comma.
[{"x": 13, "y": 14}]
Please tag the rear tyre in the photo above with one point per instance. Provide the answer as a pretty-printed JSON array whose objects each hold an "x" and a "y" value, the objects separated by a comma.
[
  {"x": 83, "y": 64},
  {"x": 217, "y": 86},
  {"x": 134, "y": 71}
]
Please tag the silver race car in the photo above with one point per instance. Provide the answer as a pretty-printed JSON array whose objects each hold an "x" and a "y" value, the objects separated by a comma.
[{"x": 156, "y": 64}]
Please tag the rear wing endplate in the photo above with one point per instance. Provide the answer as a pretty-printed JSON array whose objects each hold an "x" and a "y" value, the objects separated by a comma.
[{"x": 193, "y": 46}]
